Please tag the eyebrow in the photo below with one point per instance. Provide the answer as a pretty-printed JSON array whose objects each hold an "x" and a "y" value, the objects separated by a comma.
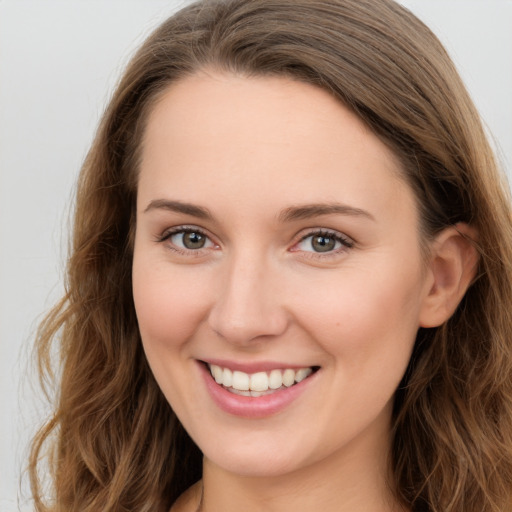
[
  {"x": 179, "y": 207},
  {"x": 315, "y": 210},
  {"x": 292, "y": 213}
]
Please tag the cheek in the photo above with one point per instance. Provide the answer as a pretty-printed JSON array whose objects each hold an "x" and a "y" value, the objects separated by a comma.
[
  {"x": 169, "y": 308},
  {"x": 169, "y": 304},
  {"x": 362, "y": 314}
]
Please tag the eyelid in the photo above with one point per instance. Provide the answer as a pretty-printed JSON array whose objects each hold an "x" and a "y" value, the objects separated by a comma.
[{"x": 185, "y": 228}]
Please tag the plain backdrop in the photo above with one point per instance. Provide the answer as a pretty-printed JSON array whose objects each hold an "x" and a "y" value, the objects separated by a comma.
[{"x": 59, "y": 61}]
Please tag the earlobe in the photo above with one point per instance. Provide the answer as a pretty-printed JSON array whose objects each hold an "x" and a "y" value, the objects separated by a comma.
[{"x": 452, "y": 267}]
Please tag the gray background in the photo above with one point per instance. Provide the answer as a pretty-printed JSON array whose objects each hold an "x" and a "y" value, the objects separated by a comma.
[{"x": 59, "y": 61}]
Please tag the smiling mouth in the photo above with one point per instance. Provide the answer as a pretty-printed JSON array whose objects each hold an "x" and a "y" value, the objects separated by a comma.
[{"x": 260, "y": 383}]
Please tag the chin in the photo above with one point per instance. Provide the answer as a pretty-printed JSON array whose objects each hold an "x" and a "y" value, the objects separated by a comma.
[{"x": 258, "y": 459}]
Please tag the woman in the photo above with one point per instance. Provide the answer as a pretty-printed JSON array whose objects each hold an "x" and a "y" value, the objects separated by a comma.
[{"x": 290, "y": 280}]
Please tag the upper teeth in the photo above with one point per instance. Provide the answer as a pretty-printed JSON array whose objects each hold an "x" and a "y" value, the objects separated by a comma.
[{"x": 259, "y": 382}]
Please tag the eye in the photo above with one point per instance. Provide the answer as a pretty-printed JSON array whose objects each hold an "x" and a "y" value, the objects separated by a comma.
[
  {"x": 323, "y": 242},
  {"x": 190, "y": 240},
  {"x": 187, "y": 239}
]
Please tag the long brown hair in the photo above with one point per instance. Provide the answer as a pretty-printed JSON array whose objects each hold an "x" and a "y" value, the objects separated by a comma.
[{"x": 113, "y": 442}]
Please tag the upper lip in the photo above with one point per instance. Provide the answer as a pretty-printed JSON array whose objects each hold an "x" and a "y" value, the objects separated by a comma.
[{"x": 256, "y": 366}]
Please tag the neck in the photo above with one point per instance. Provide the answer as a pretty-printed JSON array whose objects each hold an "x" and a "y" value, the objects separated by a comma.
[{"x": 355, "y": 479}]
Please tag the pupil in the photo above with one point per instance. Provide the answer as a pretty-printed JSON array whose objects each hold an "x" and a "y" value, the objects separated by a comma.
[
  {"x": 193, "y": 240},
  {"x": 323, "y": 243}
]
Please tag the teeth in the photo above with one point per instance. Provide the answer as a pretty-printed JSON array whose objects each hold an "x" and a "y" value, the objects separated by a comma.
[
  {"x": 217, "y": 374},
  {"x": 288, "y": 377},
  {"x": 227, "y": 377},
  {"x": 302, "y": 374},
  {"x": 257, "y": 384},
  {"x": 275, "y": 379},
  {"x": 240, "y": 381}
]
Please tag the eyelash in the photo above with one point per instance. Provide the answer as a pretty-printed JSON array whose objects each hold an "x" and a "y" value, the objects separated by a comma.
[{"x": 345, "y": 242}]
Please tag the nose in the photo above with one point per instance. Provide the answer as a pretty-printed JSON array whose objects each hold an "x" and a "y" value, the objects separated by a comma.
[{"x": 248, "y": 307}]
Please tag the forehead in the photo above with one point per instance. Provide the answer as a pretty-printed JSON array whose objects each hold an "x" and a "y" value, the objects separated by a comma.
[{"x": 230, "y": 137}]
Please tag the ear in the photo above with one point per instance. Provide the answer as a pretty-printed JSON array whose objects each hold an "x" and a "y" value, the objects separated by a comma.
[{"x": 452, "y": 267}]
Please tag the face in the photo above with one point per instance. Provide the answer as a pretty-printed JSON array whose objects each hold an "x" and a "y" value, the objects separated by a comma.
[{"x": 276, "y": 248}]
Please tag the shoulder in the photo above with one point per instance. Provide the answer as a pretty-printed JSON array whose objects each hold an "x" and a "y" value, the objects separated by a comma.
[{"x": 189, "y": 500}]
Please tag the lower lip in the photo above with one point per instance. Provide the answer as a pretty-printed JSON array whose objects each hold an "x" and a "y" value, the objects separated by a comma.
[{"x": 249, "y": 406}]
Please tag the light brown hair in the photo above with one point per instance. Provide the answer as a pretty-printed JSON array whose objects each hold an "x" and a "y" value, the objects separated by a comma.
[{"x": 114, "y": 444}]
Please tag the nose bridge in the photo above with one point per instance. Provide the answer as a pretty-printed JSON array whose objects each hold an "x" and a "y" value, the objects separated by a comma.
[{"x": 247, "y": 305}]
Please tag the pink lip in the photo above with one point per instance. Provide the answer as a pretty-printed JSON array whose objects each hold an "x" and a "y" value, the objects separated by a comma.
[
  {"x": 263, "y": 366},
  {"x": 253, "y": 407}
]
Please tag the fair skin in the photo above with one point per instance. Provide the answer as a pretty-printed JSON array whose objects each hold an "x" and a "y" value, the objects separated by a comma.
[{"x": 274, "y": 232}]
